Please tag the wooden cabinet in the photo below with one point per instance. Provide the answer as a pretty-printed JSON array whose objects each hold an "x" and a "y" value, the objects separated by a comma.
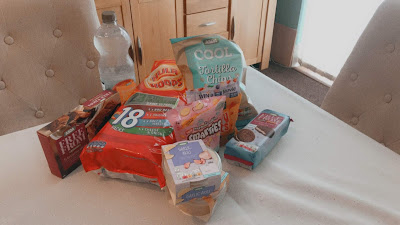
[
  {"x": 210, "y": 22},
  {"x": 196, "y": 6},
  {"x": 251, "y": 28},
  {"x": 197, "y": 17},
  {"x": 152, "y": 23},
  {"x": 248, "y": 23}
]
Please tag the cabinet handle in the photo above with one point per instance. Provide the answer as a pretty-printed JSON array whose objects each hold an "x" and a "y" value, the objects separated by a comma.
[
  {"x": 233, "y": 28},
  {"x": 131, "y": 53},
  {"x": 207, "y": 24},
  {"x": 140, "y": 54}
]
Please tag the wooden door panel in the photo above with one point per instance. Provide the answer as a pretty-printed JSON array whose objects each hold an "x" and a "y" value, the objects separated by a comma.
[
  {"x": 247, "y": 29},
  {"x": 154, "y": 23},
  {"x": 196, "y": 6}
]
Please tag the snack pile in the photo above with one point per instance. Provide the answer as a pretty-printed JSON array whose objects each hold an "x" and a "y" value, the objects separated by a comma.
[{"x": 168, "y": 129}]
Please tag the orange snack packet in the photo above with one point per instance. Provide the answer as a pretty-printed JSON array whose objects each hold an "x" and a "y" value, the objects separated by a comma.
[
  {"x": 165, "y": 79},
  {"x": 125, "y": 89}
]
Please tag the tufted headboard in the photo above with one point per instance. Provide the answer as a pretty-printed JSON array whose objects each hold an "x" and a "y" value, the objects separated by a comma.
[
  {"x": 366, "y": 94},
  {"x": 48, "y": 63}
]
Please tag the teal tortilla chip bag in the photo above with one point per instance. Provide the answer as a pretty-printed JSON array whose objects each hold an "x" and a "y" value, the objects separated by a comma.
[{"x": 211, "y": 62}]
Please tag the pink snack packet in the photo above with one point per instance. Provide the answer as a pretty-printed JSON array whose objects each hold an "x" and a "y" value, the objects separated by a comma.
[{"x": 202, "y": 119}]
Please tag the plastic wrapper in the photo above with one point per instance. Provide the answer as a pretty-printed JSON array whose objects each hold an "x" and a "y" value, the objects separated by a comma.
[{"x": 129, "y": 145}]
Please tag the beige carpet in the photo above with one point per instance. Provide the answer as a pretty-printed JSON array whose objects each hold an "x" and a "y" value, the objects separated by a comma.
[{"x": 304, "y": 86}]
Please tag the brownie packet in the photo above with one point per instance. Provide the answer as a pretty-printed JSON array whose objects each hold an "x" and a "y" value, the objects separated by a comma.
[
  {"x": 252, "y": 144},
  {"x": 202, "y": 119},
  {"x": 209, "y": 62}
]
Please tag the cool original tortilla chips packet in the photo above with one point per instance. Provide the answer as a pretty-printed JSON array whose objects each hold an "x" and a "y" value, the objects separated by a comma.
[
  {"x": 211, "y": 60},
  {"x": 165, "y": 79},
  {"x": 129, "y": 145},
  {"x": 201, "y": 119}
]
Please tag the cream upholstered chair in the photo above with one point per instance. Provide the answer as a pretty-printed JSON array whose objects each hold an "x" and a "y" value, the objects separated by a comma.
[
  {"x": 366, "y": 94},
  {"x": 48, "y": 63}
]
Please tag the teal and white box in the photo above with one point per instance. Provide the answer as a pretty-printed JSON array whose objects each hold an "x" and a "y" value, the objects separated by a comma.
[{"x": 252, "y": 143}]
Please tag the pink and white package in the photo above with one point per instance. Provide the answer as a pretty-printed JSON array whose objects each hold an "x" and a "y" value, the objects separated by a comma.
[{"x": 202, "y": 119}]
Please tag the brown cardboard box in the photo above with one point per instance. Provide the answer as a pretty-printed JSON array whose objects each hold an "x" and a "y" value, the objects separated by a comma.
[{"x": 63, "y": 139}]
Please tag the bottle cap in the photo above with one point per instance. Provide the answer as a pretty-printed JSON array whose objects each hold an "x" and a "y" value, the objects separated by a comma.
[{"x": 108, "y": 17}]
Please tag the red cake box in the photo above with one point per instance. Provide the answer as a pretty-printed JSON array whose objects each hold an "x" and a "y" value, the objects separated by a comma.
[{"x": 63, "y": 139}]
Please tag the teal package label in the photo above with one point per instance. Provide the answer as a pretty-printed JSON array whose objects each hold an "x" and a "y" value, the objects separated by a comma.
[
  {"x": 152, "y": 100},
  {"x": 144, "y": 114},
  {"x": 214, "y": 60}
]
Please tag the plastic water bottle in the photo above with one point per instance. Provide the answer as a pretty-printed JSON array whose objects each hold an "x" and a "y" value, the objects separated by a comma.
[{"x": 113, "y": 42}]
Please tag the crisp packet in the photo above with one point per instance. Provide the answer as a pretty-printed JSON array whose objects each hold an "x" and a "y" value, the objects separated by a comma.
[
  {"x": 201, "y": 119},
  {"x": 209, "y": 60},
  {"x": 165, "y": 79},
  {"x": 125, "y": 89},
  {"x": 129, "y": 145},
  {"x": 230, "y": 89}
]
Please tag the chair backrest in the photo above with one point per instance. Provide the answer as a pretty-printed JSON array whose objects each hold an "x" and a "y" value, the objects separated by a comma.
[
  {"x": 48, "y": 63},
  {"x": 366, "y": 94}
]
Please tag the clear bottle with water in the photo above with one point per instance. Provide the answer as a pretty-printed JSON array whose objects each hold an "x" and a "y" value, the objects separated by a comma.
[{"x": 113, "y": 42}]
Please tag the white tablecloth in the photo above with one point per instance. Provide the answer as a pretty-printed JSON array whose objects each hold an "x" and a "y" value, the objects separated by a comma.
[{"x": 322, "y": 172}]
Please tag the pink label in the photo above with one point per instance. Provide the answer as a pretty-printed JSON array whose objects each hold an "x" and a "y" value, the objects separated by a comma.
[
  {"x": 71, "y": 144},
  {"x": 269, "y": 120},
  {"x": 98, "y": 98}
]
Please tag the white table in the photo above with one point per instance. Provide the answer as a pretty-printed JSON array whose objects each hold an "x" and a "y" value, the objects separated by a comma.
[{"x": 322, "y": 172}]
